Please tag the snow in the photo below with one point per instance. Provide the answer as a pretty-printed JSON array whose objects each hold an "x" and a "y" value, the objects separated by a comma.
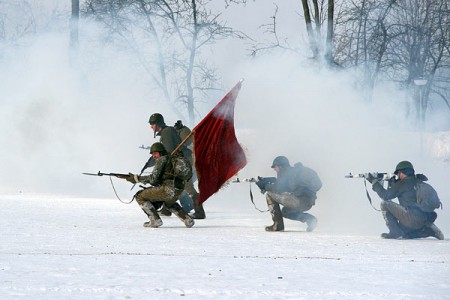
[
  {"x": 65, "y": 236},
  {"x": 65, "y": 247}
]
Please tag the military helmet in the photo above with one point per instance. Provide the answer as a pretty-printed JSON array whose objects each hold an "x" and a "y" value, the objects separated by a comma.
[
  {"x": 403, "y": 165},
  {"x": 157, "y": 119},
  {"x": 157, "y": 147},
  {"x": 281, "y": 161}
]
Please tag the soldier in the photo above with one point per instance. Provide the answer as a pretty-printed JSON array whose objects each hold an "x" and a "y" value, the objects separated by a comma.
[
  {"x": 170, "y": 139},
  {"x": 404, "y": 219},
  {"x": 185, "y": 133},
  {"x": 295, "y": 188},
  {"x": 164, "y": 192}
]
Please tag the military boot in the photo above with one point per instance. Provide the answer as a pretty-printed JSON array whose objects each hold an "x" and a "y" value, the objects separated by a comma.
[
  {"x": 436, "y": 232},
  {"x": 178, "y": 211},
  {"x": 424, "y": 232},
  {"x": 311, "y": 222},
  {"x": 199, "y": 212},
  {"x": 165, "y": 212},
  {"x": 303, "y": 217},
  {"x": 395, "y": 232},
  {"x": 277, "y": 217},
  {"x": 154, "y": 219}
]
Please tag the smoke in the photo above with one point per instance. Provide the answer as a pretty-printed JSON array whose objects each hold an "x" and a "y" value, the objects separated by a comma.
[{"x": 59, "y": 121}]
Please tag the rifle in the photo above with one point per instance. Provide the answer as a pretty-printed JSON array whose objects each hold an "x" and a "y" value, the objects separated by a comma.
[
  {"x": 144, "y": 147},
  {"x": 379, "y": 176},
  {"x": 118, "y": 175},
  {"x": 261, "y": 182}
]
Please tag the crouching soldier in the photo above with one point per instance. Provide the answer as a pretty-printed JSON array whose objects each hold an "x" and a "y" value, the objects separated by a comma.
[
  {"x": 295, "y": 189},
  {"x": 165, "y": 190},
  {"x": 405, "y": 219}
]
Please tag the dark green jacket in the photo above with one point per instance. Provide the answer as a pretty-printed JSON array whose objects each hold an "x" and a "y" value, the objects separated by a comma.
[
  {"x": 299, "y": 181},
  {"x": 169, "y": 138},
  {"x": 401, "y": 189}
]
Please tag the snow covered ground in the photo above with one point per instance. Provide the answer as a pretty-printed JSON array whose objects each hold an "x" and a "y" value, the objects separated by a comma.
[{"x": 59, "y": 247}]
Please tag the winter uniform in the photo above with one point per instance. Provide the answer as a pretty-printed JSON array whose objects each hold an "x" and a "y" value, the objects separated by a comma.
[
  {"x": 170, "y": 139},
  {"x": 292, "y": 189},
  {"x": 165, "y": 191},
  {"x": 404, "y": 219}
]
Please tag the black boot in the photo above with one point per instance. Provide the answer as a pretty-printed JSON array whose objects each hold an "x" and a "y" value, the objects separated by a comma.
[
  {"x": 199, "y": 212},
  {"x": 275, "y": 211},
  {"x": 312, "y": 223},
  {"x": 395, "y": 232},
  {"x": 165, "y": 212},
  {"x": 303, "y": 217},
  {"x": 430, "y": 230},
  {"x": 154, "y": 219},
  {"x": 181, "y": 214}
]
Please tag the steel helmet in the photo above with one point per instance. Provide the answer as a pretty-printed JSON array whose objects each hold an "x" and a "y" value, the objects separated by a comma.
[
  {"x": 157, "y": 119},
  {"x": 281, "y": 161},
  {"x": 157, "y": 147},
  {"x": 403, "y": 165}
]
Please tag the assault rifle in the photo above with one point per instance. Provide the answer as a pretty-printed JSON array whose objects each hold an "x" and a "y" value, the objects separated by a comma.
[
  {"x": 377, "y": 175},
  {"x": 261, "y": 182},
  {"x": 118, "y": 175}
]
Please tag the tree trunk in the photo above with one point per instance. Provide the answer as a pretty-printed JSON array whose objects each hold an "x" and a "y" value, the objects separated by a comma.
[
  {"x": 74, "y": 31},
  {"x": 312, "y": 38},
  {"x": 330, "y": 33}
]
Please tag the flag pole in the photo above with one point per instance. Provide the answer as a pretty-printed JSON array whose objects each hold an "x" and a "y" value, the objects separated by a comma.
[{"x": 182, "y": 142}]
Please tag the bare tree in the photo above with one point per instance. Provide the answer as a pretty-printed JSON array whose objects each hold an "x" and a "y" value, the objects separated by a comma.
[
  {"x": 17, "y": 20},
  {"x": 176, "y": 32},
  {"x": 401, "y": 41},
  {"x": 316, "y": 14}
]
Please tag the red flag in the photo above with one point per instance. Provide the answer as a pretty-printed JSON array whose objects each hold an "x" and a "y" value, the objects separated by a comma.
[{"x": 218, "y": 155}]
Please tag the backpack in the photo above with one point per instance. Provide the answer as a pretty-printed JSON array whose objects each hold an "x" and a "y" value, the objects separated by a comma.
[
  {"x": 308, "y": 177},
  {"x": 182, "y": 168},
  {"x": 427, "y": 197}
]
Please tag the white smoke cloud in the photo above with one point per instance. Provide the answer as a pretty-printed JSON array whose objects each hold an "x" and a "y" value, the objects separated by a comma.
[{"x": 58, "y": 121}]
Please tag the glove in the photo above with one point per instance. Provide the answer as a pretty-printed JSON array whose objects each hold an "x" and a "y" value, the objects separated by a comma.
[
  {"x": 392, "y": 180},
  {"x": 370, "y": 178},
  {"x": 133, "y": 178},
  {"x": 261, "y": 183}
]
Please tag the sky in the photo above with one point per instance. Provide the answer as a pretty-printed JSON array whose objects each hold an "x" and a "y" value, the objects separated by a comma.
[{"x": 58, "y": 121}]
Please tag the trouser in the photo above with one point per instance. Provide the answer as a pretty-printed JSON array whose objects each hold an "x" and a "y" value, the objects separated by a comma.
[
  {"x": 165, "y": 193},
  {"x": 293, "y": 207},
  {"x": 192, "y": 192},
  {"x": 399, "y": 218}
]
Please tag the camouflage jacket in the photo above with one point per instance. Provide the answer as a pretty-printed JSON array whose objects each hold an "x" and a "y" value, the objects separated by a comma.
[{"x": 162, "y": 172}]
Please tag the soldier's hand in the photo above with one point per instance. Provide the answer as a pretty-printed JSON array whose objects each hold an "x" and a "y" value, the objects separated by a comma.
[
  {"x": 392, "y": 180},
  {"x": 261, "y": 183},
  {"x": 370, "y": 178},
  {"x": 133, "y": 178}
]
